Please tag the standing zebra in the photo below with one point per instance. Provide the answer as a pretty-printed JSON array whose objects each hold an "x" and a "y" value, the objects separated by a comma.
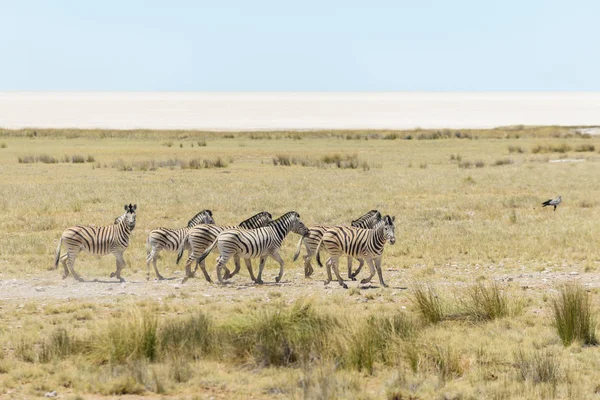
[
  {"x": 99, "y": 240},
  {"x": 171, "y": 239},
  {"x": 359, "y": 243},
  {"x": 201, "y": 236},
  {"x": 253, "y": 243},
  {"x": 315, "y": 233}
]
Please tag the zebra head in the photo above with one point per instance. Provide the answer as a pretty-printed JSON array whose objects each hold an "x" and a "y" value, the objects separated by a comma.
[
  {"x": 129, "y": 217},
  {"x": 297, "y": 225},
  {"x": 203, "y": 217},
  {"x": 263, "y": 218},
  {"x": 389, "y": 230}
]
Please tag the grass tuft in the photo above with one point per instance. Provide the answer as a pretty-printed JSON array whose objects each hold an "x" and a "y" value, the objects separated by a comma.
[
  {"x": 573, "y": 316},
  {"x": 538, "y": 366},
  {"x": 428, "y": 303},
  {"x": 486, "y": 302}
]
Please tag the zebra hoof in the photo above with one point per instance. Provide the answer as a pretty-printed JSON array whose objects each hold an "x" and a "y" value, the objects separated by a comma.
[
  {"x": 365, "y": 281},
  {"x": 353, "y": 277},
  {"x": 79, "y": 279},
  {"x": 65, "y": 276},
  {"x": 344, "y": 286},
  {"x": 184, "y": 280},
  {"x": 277, "y": 279},
  {"x": 161, "y": 278},
  {"x": 112, "y": 274},
  {"x": 259, "y": 281}
]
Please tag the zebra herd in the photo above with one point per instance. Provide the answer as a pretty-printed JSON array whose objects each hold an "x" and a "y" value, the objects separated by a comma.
[{"x": 256, "y": 237}]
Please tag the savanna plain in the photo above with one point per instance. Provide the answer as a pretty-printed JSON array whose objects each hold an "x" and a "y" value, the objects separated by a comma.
[{"x": 490, "y": 295}]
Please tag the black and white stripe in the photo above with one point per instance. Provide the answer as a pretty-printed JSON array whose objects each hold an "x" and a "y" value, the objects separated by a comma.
[
  {"x": 315, "y": 233},
  {"x": 171, "y": 239},
  {"x": 256, "y": 243},
  {"x": 99, "y": 240},
  {"x": 359, "y": 243},
  {"x": 199, "y": 238}
]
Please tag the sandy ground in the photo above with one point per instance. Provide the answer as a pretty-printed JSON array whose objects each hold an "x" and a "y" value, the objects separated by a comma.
[
  {"x": 49, "y": 286},
  {"x": 273, "y": 111}
]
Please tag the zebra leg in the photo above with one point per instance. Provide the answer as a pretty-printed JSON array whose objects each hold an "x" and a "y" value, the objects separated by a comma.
[
  {"x": 236, "y": 260},
  {"x": 158, "y": 275},
  {"x": 120, "y": 264},
  {"x": 361, "y": 262},
  {"x": 203, "y": 268},
  {"x": 350, "y": 274},
  {"x": 71, "y": 263},
  {"x": 249, "y": 266},
  {"x": 328, "y": 268},
  {"x": 378, "y": 266},
  {"x": 275, "y": 256},
  {"x": 188, "y": 268},
  {"x": 372, "y": 267},
  {"x": 63, "y": 260},
  {"x": 308, "y": 268},
  {"x": 334, "y": 265},
  {"x": 261, "y": 266}
]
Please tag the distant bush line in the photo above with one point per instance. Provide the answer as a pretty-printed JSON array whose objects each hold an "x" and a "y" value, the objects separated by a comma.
[
  {"x": 348, "y": 161},
  {"x": 171, "y": 163},
  {"x": 47, "y": 159},
  {"x": 199, "y": 137}
]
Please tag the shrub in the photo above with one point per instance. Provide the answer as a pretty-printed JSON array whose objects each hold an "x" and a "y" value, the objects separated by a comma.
[
  {"x": 585, "y": 147},
  {"x": 201, "y": 143},
  {"x": 516, "y": 149},
  {"x": 428, "y": 303},
  {"x": 486, "y": 302},
  {"x": 77, "y": 159},
  {"x": 2, "y": 145},
  {"x": 573, "y": 317},
  {"x": 538, "y": 366},
  {"x": 503, "y": 161}
]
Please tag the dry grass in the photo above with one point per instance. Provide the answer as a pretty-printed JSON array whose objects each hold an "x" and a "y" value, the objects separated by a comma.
[{"x": 487, "y": 330}]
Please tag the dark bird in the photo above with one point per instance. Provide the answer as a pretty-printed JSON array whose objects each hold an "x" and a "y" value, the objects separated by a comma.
[{"x": 552, "y": 202}]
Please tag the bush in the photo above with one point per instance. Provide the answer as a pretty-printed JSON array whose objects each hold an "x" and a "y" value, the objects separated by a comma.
[
  {"x": 516, "y": 149},
  {"x": 485, "y": 303},
  {"x": 538, "y": 366},
  {"x": 585, "y": 147},
  {"x": 428, "y": 303},
  {"x": 2, "y": 145},
  {"x": 503, "y": 161},
  {"x": 573, "y": 317}
]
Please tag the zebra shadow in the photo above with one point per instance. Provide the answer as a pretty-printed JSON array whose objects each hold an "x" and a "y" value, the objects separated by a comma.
[
  {"x": 368, "y": 287},
  {"x": 253, "y": 284},
  {"x": 96, "y": 280}
]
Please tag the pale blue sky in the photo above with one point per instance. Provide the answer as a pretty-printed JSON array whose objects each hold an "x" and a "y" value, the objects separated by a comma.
[{"x": 254, "y": 45}]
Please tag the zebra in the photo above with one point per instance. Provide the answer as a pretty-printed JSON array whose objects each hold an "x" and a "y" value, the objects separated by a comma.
[
  {"x": 171, "y": 240},
  {"x": 359, "y": 243},
  {"x": 315, "y": 233},
  {"x": 253, "y": 243},
  {"x": 99, "y": 240},
  {"x": 201, "y": 236}
]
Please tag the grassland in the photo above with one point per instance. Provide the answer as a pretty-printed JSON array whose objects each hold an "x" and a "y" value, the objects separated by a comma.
[{"x": 476, "y": 276}]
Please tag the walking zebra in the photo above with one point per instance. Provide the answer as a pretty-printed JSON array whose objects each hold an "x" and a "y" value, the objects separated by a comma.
[
  {"x": 99, "y": 240},
  {"x": 359, "y": 243},
  {"x": 253, "y": 243},
  {"x": 202, "y": 236},
  {"x": 171, "y": 239},
  {"x": 315, "y": 233}
]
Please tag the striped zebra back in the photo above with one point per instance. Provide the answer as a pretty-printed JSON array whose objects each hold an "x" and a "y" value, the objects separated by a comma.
[
  {"x": 360, "y": 242},
  {"x": 202, "y": 236},
  {"x": 368, "y": 220},
  {"x": 257, "y": 221},
  {"x": 203, "y": 217},
  {"x": 102, "y": 240}
]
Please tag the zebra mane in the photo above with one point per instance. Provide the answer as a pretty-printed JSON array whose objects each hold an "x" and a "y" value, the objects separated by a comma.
[
  {"x": 284, "y": 216},
  {"x": 199, "y": 217},
  {"x": 251, "y": 221},
  {"x": 371, "y": 214}
]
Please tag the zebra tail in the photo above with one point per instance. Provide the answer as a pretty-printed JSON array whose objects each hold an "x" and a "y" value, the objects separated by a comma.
[
  {"x": 297, "y": 253},
  {"x": 207, "y": 251},
  {"x": 319, "y": 254},
  {"x": 57, "y": 254},
  {"x": 181, "y": 249}
]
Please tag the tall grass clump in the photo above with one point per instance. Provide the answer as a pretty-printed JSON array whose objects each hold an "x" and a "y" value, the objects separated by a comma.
[
  {"x": 428, "y": 303},
  {"x": 516, "y": 149},
  {"x": 374, "y": 340},
  {"x": 503, "y": 161},
  {"x": 538, "y": 366},
  {"x": 585, "y": 147},
  {"x": 133, "y": 337},
  {"x": 3, "y": 145},
  {"x": 573, "y": 316},
  {"x": 446, "y": 362},
  {"x": 192, "y": 337},
  {"x": 485, "y": 303},
  {"x": 282, "y": 336}
]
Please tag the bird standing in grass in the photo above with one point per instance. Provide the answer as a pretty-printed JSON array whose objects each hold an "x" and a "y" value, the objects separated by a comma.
[{"x": 552, "y": 202}]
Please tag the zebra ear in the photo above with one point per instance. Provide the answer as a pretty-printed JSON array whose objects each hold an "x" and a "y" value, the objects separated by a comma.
[
  {"x": 134, "y": 207},
  {"x": 126, "y": 207},
  {"x": 393, "y": 218}
]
